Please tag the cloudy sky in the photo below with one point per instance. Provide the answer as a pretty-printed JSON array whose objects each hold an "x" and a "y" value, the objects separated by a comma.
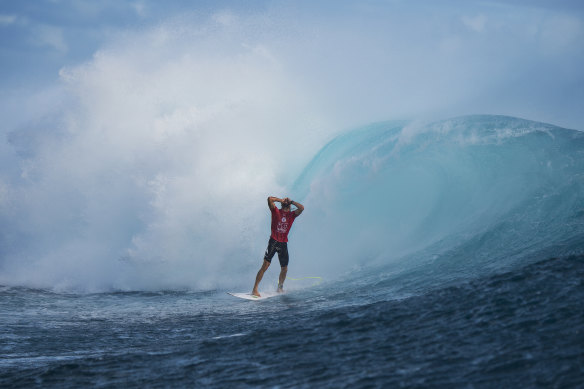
[{"x": 375, "y": 59}]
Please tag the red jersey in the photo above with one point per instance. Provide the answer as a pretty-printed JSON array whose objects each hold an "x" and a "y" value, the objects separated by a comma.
[{"x": 281, "y": 224}]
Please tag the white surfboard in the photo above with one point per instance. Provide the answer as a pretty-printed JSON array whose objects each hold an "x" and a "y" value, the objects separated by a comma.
[{"x": 249, "y": 296}]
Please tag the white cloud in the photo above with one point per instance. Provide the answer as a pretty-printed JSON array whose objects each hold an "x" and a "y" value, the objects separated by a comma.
[
  {"x": 6, "y": 20},
  {"x": 140, "y": 8},
  {"x": 88, "y": 8},
  {"x": 50, "y": 36},
  {"x": 476, "y": 23},
  {"x": 225, "y": 18}
]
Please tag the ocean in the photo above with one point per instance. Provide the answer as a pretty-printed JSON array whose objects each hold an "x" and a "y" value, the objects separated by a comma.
[{"x": 448, "y": 254}]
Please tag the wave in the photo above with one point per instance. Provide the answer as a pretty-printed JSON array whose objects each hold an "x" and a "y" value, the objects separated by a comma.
[{"x": 458, "y": 197}]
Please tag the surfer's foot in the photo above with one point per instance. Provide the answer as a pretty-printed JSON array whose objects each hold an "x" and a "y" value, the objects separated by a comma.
[
  {"x": 256, "y": 293},
  {"x": 280, "y": 289}
]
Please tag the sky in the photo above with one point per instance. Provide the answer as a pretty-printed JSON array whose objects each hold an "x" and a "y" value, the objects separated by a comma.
[
  {"x": 377, "y": 59},
  {"x": 132, "y": 130}
]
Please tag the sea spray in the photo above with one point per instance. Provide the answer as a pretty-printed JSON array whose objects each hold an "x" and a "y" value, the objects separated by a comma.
[{"x": 152, "y": 168}]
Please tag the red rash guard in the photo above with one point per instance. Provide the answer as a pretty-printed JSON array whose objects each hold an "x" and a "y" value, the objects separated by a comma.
[{"x": 281, "y": 224}]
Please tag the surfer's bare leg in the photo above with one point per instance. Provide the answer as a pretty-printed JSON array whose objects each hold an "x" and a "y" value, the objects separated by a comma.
[
  {"x": 282, "y": 278},
  {"x": 259, "y": 277}
]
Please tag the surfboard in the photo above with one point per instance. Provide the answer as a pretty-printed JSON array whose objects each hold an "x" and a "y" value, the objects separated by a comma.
[{"x": 249, "y": 296}]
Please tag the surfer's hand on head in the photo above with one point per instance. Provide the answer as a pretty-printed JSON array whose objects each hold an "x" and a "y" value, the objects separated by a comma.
[{"x": 278, "y": 243}]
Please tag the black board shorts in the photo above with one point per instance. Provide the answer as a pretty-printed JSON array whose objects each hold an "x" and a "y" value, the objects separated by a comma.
[{"x": 277, "y": 247}]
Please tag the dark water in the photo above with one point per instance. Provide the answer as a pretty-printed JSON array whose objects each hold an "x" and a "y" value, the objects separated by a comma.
[{"x": 520, "y": 328}]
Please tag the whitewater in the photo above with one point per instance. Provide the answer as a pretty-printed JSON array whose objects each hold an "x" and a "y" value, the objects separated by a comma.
[{"x": 451, "y": 255}]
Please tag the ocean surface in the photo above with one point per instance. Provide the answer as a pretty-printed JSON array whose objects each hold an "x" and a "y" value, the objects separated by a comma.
[{"x": 449, "y": 254}]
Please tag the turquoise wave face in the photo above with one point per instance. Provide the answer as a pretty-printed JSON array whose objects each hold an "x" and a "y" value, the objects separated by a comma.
[{"x": 470, "y": 193}]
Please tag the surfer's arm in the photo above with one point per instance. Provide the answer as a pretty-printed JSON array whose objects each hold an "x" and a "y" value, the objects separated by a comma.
[
  {"x": 299, "y": 207},
  {"x": 272, "y": 200}
]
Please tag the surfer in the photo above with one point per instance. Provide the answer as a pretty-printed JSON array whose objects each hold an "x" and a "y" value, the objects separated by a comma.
[{"x": 282, "y": 220}]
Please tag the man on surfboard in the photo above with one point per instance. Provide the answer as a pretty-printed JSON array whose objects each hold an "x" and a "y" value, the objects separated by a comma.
[{"x": 282, "y": 220}]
